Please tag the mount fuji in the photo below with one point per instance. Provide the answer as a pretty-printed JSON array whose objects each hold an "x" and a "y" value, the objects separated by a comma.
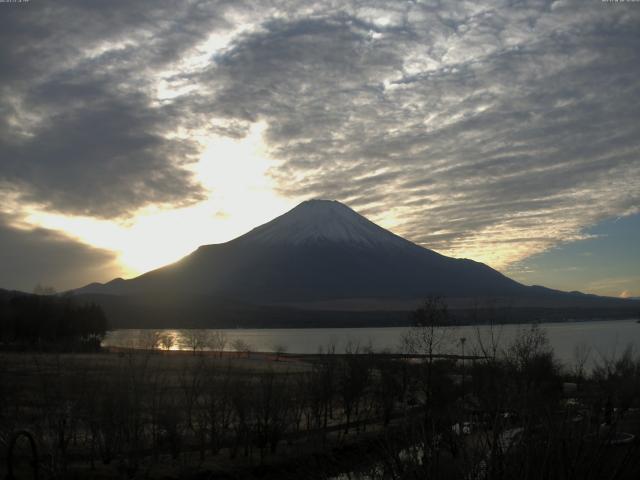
[
  {"x": 321, "y": 255},
  {"x": 319, "y": 250}
]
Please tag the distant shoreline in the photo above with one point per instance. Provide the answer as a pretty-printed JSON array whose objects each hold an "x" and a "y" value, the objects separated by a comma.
[{"x": 407, "y": 324}]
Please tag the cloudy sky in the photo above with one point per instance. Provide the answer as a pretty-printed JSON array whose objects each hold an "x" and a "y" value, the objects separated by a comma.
[{"x": 506, "y": 132}]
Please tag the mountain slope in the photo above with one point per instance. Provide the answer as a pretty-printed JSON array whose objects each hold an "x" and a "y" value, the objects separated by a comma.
[{"x": 319, "y": 250}]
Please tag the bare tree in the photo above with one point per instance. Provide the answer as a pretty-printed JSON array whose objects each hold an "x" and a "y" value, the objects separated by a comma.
[
  {"x": 279, "y": 349},
  {"x": 241, "y": 346},
  {"x": 488, "y": 336},
  {"x": 581, "y": 354},
  {"x": 271, "y": 410},
  {"x": 216, "y": 341},
  {"x": 217, "y": 407},
  {"x": 429, "y": 335},
  {"x": 353, "y": 379},
  {"x": 195, "y": 340},
  {"x": 148, "y": 339},
  {"x": 167, "y": 340},
  {"x": 528, "y": 345},
  {"x": 388, "y": 387}
]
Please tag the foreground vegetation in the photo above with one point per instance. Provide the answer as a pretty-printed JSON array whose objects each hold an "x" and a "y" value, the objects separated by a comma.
[
  {"x": 506, "y": 411},
  {"x": 49, "y": 322}
]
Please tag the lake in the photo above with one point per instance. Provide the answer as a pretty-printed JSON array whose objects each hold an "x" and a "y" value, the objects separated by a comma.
[{"x": 602, "y": 338}]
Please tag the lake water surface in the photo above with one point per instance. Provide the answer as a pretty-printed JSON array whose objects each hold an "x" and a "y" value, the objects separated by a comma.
[{"x": 602, "y": 338}]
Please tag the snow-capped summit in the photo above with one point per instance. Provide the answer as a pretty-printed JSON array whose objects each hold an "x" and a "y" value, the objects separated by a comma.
[{"x": 322, "y": 221}]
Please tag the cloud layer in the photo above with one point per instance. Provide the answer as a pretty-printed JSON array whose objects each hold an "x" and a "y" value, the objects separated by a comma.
[
  {"x": 509, "y": 125},
  {"x": 492, "y": 131},
  {"x": 39, "y": 256}
]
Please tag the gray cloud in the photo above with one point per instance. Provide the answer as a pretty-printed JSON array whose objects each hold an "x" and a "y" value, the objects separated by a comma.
[
  {"x": 515, "y": 122},
  {"x": 82, "y": 130},
  {"x": 102, "y": 159},
  {"x": 475, "y": 126},
  {"x": 32, "y": 256}
]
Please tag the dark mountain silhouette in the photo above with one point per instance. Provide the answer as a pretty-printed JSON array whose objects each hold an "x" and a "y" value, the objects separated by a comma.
[
  {"x": 319, "y": 250},
  {"x": 321, "y": 255}
]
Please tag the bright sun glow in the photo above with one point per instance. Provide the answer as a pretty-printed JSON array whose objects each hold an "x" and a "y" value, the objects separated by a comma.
[{"x": 241, "y": 196}]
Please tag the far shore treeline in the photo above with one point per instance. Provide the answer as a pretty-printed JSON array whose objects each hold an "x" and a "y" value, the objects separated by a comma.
[{"x": 50, "y": 322}]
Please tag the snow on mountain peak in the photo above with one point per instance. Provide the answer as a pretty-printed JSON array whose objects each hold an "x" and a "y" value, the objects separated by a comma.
[{"x": 317, "y": 221}]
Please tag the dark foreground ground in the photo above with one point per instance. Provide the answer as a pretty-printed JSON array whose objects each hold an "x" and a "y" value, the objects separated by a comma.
[{"x": 170, "y": 415}]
